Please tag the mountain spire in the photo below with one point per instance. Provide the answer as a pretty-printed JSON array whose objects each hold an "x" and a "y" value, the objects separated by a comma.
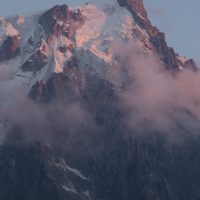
[{"x": 135, "y": 6}]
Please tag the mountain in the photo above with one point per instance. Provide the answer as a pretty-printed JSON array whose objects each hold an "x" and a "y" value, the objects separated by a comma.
[
  {"x": 70, "y": 139},
  {"x": 34, "y": 47},
  {"x": 33, "y": 172}
]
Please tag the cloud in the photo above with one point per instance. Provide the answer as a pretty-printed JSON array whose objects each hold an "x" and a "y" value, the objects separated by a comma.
[
  {"x": 152, "y": 100},
  {"x": 59, "y": 122},
  {"x": 156, "y": 99},
  {"x": 5, "y": 73}
]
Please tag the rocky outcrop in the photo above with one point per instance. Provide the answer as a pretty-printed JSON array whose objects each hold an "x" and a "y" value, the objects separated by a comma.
[
  {"x": 60, "y": 20},
  {"x": 35, "y": 63},
  {"x": 135, "y": 6},
  {"x": 10, "y": 48},
  {"x": 59, "y": 86},
  {"x": 157, "y": 38},
  {"x": 191, "y": 64},
  {"x": 9, "y": 40}
]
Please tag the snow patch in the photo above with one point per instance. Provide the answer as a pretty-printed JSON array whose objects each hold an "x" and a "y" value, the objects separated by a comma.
[
  {"x": 60, "y": 23},
  {"x": 65, "y": 167},
  {"x": 182, "y": 59},
  {"x": 68, "y": 189},
  {"x": 104, "y": 23},
  {"x": 87, "y": 194}
]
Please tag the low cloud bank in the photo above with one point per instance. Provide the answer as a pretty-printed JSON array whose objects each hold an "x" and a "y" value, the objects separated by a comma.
[{"x": 152, "y": 99}]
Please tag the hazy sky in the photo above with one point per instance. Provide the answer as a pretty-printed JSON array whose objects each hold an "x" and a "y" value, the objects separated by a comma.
[{"x": 179, "y": 19}]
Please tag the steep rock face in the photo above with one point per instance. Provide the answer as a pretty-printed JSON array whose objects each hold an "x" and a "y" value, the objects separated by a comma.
[
  {"x": 157, "y": 38},
  {"x": 32, "y": 171},
  {"x": 146, "y": 169},
  {"x": 60, "y": 20},
  {"x": 57, "y": 87},
  {"x": 10, "y": 48},
  {"x": 136, "y": 6},
  {"x": 10, "y": 41},
  {"x": 35, "y": 63}
]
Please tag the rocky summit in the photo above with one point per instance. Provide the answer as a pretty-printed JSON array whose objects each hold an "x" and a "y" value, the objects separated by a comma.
[{"x": 83, "y": 113}]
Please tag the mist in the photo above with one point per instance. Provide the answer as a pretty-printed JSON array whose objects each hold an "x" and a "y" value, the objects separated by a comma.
[
  {"x": 166, "y": 101},
  {"x": 56, "y": 123},
  {"x": 152, "y": 99},
  {"x": 5, "y": 73}
]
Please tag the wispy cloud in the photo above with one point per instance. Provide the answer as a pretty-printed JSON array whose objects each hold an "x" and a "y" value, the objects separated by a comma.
[{"x": 156, "y": 98}]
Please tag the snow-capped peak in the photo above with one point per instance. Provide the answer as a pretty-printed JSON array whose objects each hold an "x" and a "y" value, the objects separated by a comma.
[
  {"x": 6, "y": 28},
  {"x": 79, "y": 36}
]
